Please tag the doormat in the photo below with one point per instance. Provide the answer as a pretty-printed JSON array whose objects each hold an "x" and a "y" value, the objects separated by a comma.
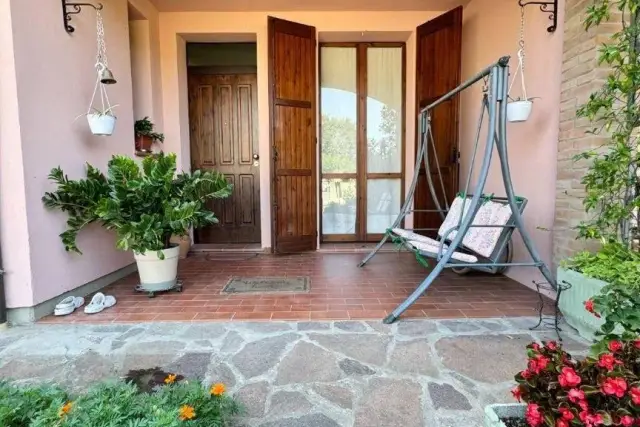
[{"x": 256, "y": 285}]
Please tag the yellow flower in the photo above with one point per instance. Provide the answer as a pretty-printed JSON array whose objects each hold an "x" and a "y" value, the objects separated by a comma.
[
  {"x": 187, "y": 413},
  {"x": 218, "y": 389},
  {"x": 66, "y": 408},
  {"x": 170, "y": 379}
]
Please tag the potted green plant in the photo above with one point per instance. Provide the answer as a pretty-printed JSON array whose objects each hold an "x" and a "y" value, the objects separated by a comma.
[
  {"x": 144, "y": 205},
  {"x": 145, "y": 135},
  {"x": 102, "y": 122},
  {"x": 611, "y": 182}
]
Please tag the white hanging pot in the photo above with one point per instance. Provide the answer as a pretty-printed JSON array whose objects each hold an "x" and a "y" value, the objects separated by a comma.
[
  {"x": 519, "y": 111},
  {"x": 158, "y": 274},
  {"x": 101, "y": 124}
]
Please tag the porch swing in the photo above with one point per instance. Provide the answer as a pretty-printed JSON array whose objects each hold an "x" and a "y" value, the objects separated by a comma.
[{"x": 477, "y": 228}]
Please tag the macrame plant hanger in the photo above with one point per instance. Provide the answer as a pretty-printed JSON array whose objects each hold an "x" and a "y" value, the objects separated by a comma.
[
  {"x": 519, "y": 109},
  {"x": 520, "y": 68},
  {"x": 103, "y": 74}
]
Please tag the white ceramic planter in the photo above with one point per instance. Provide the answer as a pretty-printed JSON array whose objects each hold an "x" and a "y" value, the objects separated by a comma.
[
  {"x": 158, "y": 274},
  {"x": 101, "y": 124},
  {"x": 519, "y": 111},
  {"x": 572, "y": 301},
  {"x": 493, "y": 413}
]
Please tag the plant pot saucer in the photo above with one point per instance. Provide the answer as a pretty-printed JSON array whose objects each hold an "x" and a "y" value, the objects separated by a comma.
[{"x": 152, "y": 290}]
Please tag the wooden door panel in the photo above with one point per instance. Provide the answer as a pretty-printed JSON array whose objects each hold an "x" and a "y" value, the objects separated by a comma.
[
  {"x": 292, "y": 56},
  {"x": 222, "y": 110},
  {"x": 438, "y": 62}
]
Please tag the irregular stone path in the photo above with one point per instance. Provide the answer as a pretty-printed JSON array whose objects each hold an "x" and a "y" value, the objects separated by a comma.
[{"x": 435, "y": 373}]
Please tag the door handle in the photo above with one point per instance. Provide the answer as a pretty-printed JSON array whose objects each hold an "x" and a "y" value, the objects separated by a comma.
[{"x": 256, "y": 157}]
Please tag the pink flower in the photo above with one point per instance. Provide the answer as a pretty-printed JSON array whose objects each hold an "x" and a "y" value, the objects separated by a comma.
[
  {"x": 583, "y": 405},
  {"x": 566, "y": 414},
  {"x": 614, "y": 386},
  {"x": 635, "y": 395},
  {"x": 552, "y": 345},
  {"x": 535, "y": 346},
  {"x": 636, "y": 344},
  {"x": 608, "y": 361},
  {"x": 517, "y": 394},
  {"x": 576, "y": 395},
  {"x": 569, "y": 378},
  {"x": 533, "y": 415},
  {"x": 526, "y": 374},
  {"x": 562, "y": 423},
  {"x": 538, "y": 363},
  {"x": 590, "y": 420},
  {"x": 588, "y": 305},
  {"x": 626, "y": 421},
  {"x": 615, "y": 346}
]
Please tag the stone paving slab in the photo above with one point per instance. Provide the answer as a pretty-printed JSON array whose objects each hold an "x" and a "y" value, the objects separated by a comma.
[{"x": 422, "y": 373}]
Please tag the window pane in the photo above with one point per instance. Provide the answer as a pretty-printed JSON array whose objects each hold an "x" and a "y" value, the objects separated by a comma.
[
  {"x": 338, "y": 206},
  {"x": 339, "y": 109},
  {"x": 383, "y": 203},
  {"x": 384, "y": 109}
]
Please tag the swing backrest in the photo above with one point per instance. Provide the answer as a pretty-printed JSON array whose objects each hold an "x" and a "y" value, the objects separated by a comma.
[{"x": 488, "y": 242}]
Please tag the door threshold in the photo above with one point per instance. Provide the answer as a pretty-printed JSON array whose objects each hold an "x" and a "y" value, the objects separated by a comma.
[
  {"x": 362, "y": 247},
  {"x": 228, "y": 247}
]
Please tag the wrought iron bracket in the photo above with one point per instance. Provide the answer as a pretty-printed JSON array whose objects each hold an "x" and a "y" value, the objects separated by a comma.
[
  {"x": 550, "y": 7},
  {"x": 69, "y": 9}
]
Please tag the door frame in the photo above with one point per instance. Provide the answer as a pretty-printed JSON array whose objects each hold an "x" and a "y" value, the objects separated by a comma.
[{"x": 361, "y": 174}]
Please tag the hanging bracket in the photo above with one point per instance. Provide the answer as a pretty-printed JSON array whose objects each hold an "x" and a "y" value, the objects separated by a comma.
[
  {"x": 69, "y": 9},
  {"x": 550, "y": 7}
]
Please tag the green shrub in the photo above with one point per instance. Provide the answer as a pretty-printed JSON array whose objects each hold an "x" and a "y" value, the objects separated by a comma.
[
  {"x": 614, "y": 262},
  {"x": 117, "y": 404}
]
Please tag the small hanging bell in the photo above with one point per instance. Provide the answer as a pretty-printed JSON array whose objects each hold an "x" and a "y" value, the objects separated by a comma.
[{"x": 106, "y": 76}]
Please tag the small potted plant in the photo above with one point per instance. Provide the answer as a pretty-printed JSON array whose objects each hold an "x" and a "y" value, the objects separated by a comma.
[
  {"x": 145, "y": 136},
  {"x": 145, "y": 205},
  {"x": 102, "y": 122},
  {"x": 519, "y": 110},
  {"x": 558, "y": 391}
]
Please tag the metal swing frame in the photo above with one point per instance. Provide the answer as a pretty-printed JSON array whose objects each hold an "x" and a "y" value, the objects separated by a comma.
[{"x": 495, "y": 103}]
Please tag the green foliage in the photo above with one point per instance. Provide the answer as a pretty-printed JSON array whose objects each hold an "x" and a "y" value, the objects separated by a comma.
[
  {"x": 145, "y": 206},
  {"x": 614, "y": 262},
  {"x": 611, "y": 182},
  {"x": 115, "y": 404},
  {"x": 144, "y": 127}
]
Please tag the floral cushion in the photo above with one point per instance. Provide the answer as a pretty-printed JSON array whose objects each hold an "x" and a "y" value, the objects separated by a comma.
[
  {"x": 432, "y": 251},
  {"x": 410, "y": 235},
  {"x": 482, "y": 240}
]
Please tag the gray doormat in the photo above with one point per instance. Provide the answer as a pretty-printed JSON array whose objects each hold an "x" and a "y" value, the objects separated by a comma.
[{"x": 257, "y": 285}]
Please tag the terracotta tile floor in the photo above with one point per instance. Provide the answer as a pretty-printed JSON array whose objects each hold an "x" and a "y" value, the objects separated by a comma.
[{"x": 339, "y": 290}]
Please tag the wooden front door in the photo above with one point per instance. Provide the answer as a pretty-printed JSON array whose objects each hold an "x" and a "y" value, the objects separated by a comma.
[
  {"x": 292, "y": 91},
  {"x": 439, "y": 56},
  {"x": 223, "y": 122}
]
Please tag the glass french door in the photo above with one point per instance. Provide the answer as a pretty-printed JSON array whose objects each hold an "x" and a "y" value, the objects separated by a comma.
[{"x": 362, "y": 89}]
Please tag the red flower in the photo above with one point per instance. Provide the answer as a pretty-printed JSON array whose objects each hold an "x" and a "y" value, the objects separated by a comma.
[
  {"x": 608, "y": 361},
  {"x": 615, "y": 346},
  {"x": 535, "y": 346},
  {"x": 635, "y": 395},
  {"x": 566, "y": 414},
  {"x": 636, "y": 344},
  {"x": 583, "y": 405},
  {"x": 569, "y": 378},
  {"x": 588, "y": 305},
  {"x": 576, "y": 395},
  {"x": 538, "y": 363},
  {"x": 626, "y": 421},
  {"x": 517, "y": 394},
  {"x": 526, "y": 374},
  {"x": 614, "y": 386},
  {"x": 590, "y": 419},
  {"x": 533, "y": 415},
  {"x": 562, "y": 423},
  {"x": 552, "y": 345}
]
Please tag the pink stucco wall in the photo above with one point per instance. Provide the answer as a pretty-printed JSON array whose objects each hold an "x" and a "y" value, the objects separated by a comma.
[
  {"x": 55, "y": 80},
  {"x": 490, "y": 30}
]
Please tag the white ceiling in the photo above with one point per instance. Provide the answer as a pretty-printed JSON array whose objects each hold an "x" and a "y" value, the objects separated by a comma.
[{"x": 296, "y": 5}]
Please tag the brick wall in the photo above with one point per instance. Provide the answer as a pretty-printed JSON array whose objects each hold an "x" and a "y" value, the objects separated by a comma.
[{"x": 581, "y": 76}]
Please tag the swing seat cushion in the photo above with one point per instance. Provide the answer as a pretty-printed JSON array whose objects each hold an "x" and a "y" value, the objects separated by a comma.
[
  {"x": 481, "y": 240},
  {"x": 431, "y": 250},
  {"x": 410, "y": 235}
]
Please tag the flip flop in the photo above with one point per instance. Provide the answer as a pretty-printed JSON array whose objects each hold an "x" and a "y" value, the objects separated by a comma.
[
  {"x": 68, "y": 305},
  {"x": 99, "y": 302}
]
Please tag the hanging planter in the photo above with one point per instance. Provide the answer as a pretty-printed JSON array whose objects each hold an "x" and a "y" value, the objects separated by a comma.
[
  {"x": 101, "y": 120},
  {"x": 519, "y": 109}
]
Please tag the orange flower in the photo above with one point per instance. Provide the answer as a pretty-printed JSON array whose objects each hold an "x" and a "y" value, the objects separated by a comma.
[
  {"x": 187, "y": 413},
  {"x": 66, "y": 408},
  {"x": 170, "y": 379},
  {"x": 218, "y": 389}
]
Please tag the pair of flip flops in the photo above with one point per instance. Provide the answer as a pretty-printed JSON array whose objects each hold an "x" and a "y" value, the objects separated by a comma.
[{"x": 98, "y": 303}]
